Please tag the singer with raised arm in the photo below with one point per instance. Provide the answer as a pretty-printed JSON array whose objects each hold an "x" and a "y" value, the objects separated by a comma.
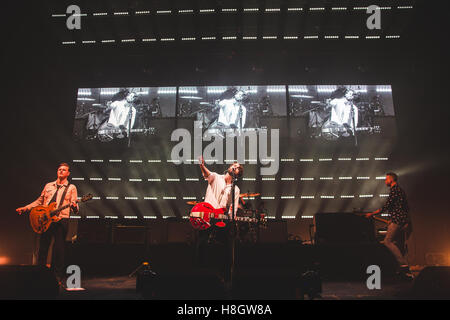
[
  {"x": 397, "y": 207},
  {"x": 218, "y": 192},
  {"x": 219, "y": 195}
]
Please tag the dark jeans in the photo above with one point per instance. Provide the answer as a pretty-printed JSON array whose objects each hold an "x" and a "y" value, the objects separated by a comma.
[
  {"x": 214, "y": 246},
  {"x": 58, "y": 231}
]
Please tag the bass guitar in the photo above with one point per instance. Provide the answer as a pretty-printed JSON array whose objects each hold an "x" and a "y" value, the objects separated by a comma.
[
  {"x": 41, "y": 217},
  {"x": 203, "y": 215}
]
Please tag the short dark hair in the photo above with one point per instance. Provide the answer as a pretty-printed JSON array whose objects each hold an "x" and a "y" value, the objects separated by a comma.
[
  {"x": 393, "y": 175},
  {"x": 65, "y": 164}
]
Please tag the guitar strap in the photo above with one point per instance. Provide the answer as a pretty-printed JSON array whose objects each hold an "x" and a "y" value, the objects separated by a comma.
[{"x": 62, "y": 197}]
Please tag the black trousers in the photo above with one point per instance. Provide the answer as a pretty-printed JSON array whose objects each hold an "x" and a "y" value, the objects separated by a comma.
[
  {"x": 213, "y": 246},
  {"x": 57, "y": 231}
]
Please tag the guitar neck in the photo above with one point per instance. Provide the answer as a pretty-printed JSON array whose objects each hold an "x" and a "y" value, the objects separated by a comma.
[
  {"x": 225, "y": 217},
  {"x": 56, "y": 211}
]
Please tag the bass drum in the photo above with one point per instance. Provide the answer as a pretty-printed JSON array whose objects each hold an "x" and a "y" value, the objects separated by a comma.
[{"x": 106, "y": 132}]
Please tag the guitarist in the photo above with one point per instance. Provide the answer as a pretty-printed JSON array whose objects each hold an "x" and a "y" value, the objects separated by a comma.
[
  {"x": 397, "y": 206},
  {"x": 54, "y": 191},
  {"x": 218, "y": 194}
]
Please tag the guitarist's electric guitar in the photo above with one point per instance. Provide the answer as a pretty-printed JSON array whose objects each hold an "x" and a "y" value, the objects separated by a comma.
[
  {"x": 41, "y": 217},
  {"x": 203, "y": 215}
]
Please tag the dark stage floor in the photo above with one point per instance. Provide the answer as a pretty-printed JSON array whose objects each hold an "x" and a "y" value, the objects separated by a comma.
[{"x": 124, "y": 288}]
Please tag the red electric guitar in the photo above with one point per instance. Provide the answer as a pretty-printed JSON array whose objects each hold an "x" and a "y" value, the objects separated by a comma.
[{"x": 203, "y": 215}]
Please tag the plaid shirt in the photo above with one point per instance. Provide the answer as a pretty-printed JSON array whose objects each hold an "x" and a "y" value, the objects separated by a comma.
[{"x": 397, "y": 206}]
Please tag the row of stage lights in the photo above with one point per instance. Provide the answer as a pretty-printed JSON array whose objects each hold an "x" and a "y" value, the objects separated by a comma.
[
  {"x": 227, "y": 10},
  {"x": 286, "y": 197},
  {"x": 84, "y": 92},
  {"x": 244, "y": 179},
  {"x": 249, "y": 161},
  {"x": 273, "y": 37}
]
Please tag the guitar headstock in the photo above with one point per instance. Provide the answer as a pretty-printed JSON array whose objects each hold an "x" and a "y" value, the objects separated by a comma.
[{"x": 87, "y": 197}]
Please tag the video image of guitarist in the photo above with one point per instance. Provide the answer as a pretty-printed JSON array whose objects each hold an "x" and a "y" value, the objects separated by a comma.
[
  {"x": 64, "y": 194},
  {"x": 218, "y": 194}
]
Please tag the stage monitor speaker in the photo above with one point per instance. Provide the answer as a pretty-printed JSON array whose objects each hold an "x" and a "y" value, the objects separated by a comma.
[
  {"x": 129, "y": 234},
  {"x": 334, "y": 228},
  {"x": 27, "y": 282},
  {"x": 432, "y": 283},
  {"x": 276, "y": 232},
  {"x": 179, "y": 232}
]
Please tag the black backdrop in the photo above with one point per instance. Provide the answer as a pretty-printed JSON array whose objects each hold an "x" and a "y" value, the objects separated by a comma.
[{"x": 41, "y": 78}]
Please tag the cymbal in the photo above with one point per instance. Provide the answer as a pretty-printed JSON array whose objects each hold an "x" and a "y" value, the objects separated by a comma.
[
  {"x": 193, "y": 203},
  {"x": 249, "y": 195}
]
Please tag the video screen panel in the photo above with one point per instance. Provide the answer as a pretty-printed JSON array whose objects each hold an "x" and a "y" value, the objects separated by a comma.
[
  {"x": 227, "y": 108},
  {"x": 106, "y": 114},
  {"x": 337, "y": 112}
]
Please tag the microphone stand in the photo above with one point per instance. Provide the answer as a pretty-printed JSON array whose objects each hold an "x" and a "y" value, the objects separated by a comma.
[
  {"x": 352, "y": 114},
  {"x": 130, "y": 115},
  {"x": 233, "y": 228}
]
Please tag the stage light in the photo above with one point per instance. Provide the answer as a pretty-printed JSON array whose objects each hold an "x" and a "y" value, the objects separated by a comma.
[
  {"x": 142, "y": 12},
  {"x": 306, "y": 179},
  {"x": 327, "y": 197},
  {"x": 115, "y": 160},
  {"x": 154, "y": 180},
  {"x": 130, "y": 217},
  {"x": 249, "y": 38},
  {"x": 345, "y": 178},
  {"x": 287, "y": 160},
  {"x": 206, "y": 10},
  {"x": 273, "y": 9},
  {"x": 186, "y": 11},
  {"x": 347, "y": 197},
  {"x": 299, "y": 89},
  {"x": 112, "y": 198},
  {"x": 114, "y": 179},
  {"x": 295, "y": 9},
  {"x": 150, "y": 198},
  {"x": 135, "y": 180},
  {"x": 164, "y": 11},
  {"x": 148, "y": 39},
  {"x": 68, "y": 42},
  {"x": 363, "y": 178},
  {"x": 306, "y": 160},
  {"x": 96, "y": 179},
  {"x": 135, "y": 161},
  {"x": 290, "y": 37},
  {"x": 267, "y": 198},
  {"x": 128, "y": 40},
  {"x": 338, "y": 8},
  {"x": 58, "y": 15},
  {"x": 344, "y": 159},
  {"x": 167, "y": 39},
  {"x": 287, "y": 197},
  {"x": 77, "y": 179},
  {"x": 92, "y": 217},
  {"x": 325, "y": 159},
  {"x": 351, "y": 37},
  {"x": 268, "y": 179},
  {"x": 192, "y": 179},
  {"x": 96, "y": 160},
  {"x": 326, "y": 178},
  {"x": 366, "y": 195},
  {"x": 331, "y": 37},
  {"x": 307, "y": 197},
  {"x": 307, "y": 217},
  {"x": 251, "y": 9},
  {"x": 362, "y": 159},
  {"x": 131, "y": 198},
  {"x": 154, "y": 161},
  {"x": 229, "y": 10},
  {"x": 169, "y": 198},
  {"x": 111, "y": 217},
  {"x": 317, "y": 9}
]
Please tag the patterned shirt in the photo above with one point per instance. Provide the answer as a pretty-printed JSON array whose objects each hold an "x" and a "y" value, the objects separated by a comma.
[{"x": 397, "y": 206}]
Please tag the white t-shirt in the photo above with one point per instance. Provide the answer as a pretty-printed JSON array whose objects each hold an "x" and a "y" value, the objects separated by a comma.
[
  {"x": 120, "y": 114},
  {"x": 218, "y": 193},
  {"x": 229, "y": 113},
  {"x": 341, "y": 112}
]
